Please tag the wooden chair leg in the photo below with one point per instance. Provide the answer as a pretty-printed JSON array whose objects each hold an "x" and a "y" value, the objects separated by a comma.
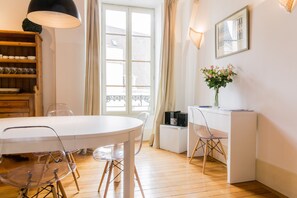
[
  {"x": 194, "y": 150},
  {"x": 103, "y": 175},
  {"x": 75, "y": 180},
  {"x": 205, "y": 156},
  {"x": 23, "y": 193},
  {"x": 37, "y": 192},
  {"x": 68, "y": 155},
  {"x": 138, "y": 181},
  {"x": 211, "y": 146},
  {"x": 54, "y": 192},
  {"x": 73, "y": 160},
  {"x": 20, "y": 194},
  {"x": 60, "y": 186},
  {"x": 223, "y": 151},
  {"x": 108, "y": 179},
  {"x": 117, "y": 171}
]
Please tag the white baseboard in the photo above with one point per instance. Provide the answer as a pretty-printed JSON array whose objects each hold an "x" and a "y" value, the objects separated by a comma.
[{"x": 276, "y": 178}]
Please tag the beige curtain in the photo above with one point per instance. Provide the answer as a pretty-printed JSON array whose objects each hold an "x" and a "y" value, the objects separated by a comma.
[
  {"x": 166, "y": 92},
  {"x": 92, "y": 81}
]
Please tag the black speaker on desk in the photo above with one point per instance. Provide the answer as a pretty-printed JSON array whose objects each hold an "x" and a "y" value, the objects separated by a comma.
[
  {"x": 182, "y": 119},
  {"x": 169, "y": 115}
]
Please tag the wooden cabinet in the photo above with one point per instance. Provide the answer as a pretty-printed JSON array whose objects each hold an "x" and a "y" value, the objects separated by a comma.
[{"x": 21, "y": 68}]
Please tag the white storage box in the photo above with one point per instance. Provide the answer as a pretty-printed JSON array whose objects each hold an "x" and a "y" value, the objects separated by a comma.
[{"x": 173, "y": 138}]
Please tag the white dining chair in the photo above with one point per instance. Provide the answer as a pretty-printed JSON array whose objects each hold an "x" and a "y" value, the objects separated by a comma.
[
  {"x": 114, "y": 155},
  {"x": 25, "y": 170},
  {"x": 62, "y": 109}
]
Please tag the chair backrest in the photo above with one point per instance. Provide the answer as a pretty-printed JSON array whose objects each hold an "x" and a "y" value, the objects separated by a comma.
[
  {"x": 143, "y": 116},
  {"x": 20, "y": 167},
  {"x": 59, "y": 109},
  {"x": 200, "y": 125}
]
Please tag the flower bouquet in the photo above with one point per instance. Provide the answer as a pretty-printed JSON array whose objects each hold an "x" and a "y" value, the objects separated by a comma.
[{"x": 216, "y": 77}]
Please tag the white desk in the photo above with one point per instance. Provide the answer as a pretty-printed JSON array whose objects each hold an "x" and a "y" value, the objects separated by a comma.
[
  {"x": 241, "y": 127},
  {"x": 78, "y": 132}
]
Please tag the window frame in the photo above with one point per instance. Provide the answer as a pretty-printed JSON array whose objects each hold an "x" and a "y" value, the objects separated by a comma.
[{"x": 128, "y": 61}]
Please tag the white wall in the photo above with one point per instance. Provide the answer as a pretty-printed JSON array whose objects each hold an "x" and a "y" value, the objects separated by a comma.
[
  {"x": 184, "y": 55},
  {"x": 11, "y": 15},
  {"x": 266, "y": 80},
  {"x": 70, "y": 64}
]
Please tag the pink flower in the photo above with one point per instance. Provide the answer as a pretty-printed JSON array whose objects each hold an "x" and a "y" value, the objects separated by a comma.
[{"x": 216, "y": 76}]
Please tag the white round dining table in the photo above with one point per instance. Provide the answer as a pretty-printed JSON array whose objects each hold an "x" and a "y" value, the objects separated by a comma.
[{"x": 77, "y": 132}]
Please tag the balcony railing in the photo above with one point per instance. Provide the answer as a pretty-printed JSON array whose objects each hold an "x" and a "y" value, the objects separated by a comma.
[{"x": 119, "y": 98}]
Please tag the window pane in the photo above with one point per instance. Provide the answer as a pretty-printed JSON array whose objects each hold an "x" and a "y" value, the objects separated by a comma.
[
  {"x": 141, "y": 24},
  {"x": 141, "y": 48},
  {"x": 115, "y": 99},
  {"x": 141, "y": 98},
  {"x": 141, "y": 74},
  {"x": 115, "y": 47},
  {"x": 115, "y": 73},
  {"x": 115, "y": 22},
  {"x": 128, "y": 59}
]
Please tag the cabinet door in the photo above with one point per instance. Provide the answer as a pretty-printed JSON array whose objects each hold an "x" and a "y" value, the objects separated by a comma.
[
  {"x": 16, "y": 105},
  {"x": 13, "y": 105}
]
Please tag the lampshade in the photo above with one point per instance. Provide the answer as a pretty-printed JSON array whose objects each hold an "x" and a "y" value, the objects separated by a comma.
[
  {"x": 288, "y": 4},
  {"x": 196, "y": 37},
  {"x": 54, "y": 13}
]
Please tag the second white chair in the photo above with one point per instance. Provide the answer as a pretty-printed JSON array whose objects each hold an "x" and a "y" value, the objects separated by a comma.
[
  {"x": 62, "y": 109},
  {"x": 114, "y": 155}
]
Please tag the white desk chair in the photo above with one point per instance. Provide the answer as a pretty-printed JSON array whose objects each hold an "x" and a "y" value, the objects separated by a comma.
[{"x": 209, "y": 139}]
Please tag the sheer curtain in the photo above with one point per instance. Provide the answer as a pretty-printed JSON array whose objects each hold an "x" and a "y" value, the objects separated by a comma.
[
  {"x": 92, "y": 81},
  {"x": 166, "y": 91}
]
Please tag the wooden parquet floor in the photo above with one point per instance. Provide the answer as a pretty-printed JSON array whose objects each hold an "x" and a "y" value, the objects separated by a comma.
[{"x": 162, "y": 174}]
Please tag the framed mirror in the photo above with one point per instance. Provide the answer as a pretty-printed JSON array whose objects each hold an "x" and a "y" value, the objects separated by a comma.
[{"x": 232, "y": 34}]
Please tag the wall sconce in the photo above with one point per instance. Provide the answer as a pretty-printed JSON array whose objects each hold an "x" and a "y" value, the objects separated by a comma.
[
  {"x": 54, "y": 13},
  {"x": 196, "y": 37},
  {"x": 287, "y": 4}
]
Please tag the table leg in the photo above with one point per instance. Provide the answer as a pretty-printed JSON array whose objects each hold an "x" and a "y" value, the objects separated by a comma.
[{"x": 129, "y": 166}]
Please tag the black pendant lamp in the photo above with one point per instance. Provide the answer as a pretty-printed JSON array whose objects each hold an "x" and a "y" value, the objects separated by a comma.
[{"x": 54, "y": 13}]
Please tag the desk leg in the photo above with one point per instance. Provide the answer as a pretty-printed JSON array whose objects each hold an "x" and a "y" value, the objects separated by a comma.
[{"x": 129, "y": 166}]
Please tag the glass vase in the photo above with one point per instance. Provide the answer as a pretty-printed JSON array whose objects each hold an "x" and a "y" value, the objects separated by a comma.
[{"x": 216, "y": 99}]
